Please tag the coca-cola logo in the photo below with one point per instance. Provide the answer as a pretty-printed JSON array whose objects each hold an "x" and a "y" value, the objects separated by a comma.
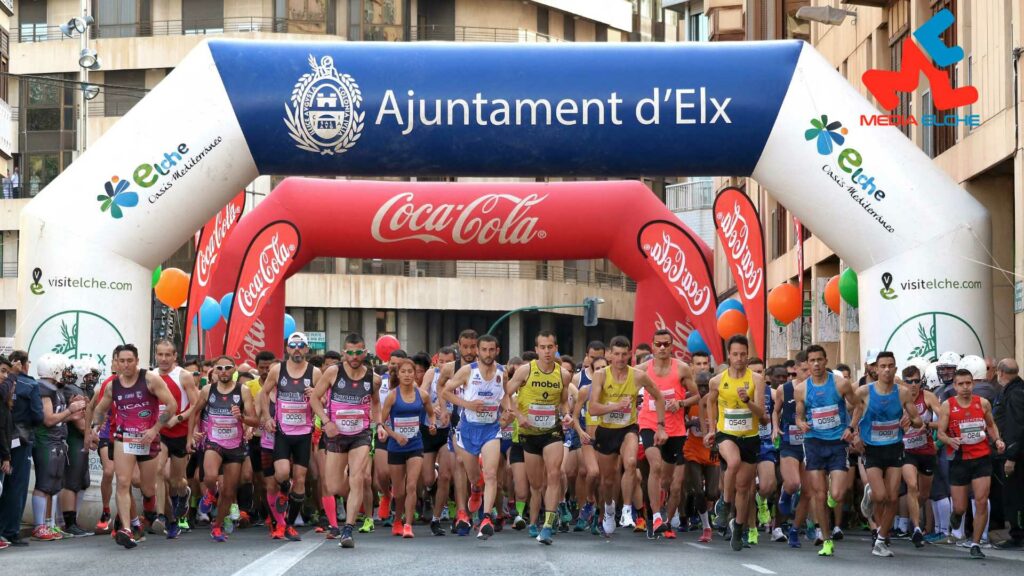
[
  {"x": 255, "y": 341},
  {"x": 207, "y": 256},
  {"x": 736, "y": 232},
  {"x": 680, "y": 335},
  {"x": 501, "y": 218},
  {"x": 272, "y": 261},
  {"x": 670, "y": 259}
]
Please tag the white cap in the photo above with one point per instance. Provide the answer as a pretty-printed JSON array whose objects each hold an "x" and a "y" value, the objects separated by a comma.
[
  {"x": 975, "y": 364},
  {"x": 871, "y": 356},
  {"x": 298, "y": 337}
]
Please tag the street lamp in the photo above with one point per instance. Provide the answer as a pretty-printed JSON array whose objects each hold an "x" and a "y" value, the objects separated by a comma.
[
  {"x": 87, "y": 60},
  {"x": 825, "y": 14}
]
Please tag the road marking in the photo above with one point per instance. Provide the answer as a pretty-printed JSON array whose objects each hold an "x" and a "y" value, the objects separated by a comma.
[
  {"x": 284, "y": 558},
  {"x": 758, "y": 569},
  {"x": 701, "y": 546}
]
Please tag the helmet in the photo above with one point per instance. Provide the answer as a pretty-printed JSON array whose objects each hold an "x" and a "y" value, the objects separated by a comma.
[
  {"x": 931, "y": 377},
  {"x": 920, "y": 363},
  {"x": 68, "y": 375},
  {"x": 86, "y": 367},
  {"x": 976, "y": 365},
  {"x": 52, "y": 365},
  {"x": 949, "y": 359}
]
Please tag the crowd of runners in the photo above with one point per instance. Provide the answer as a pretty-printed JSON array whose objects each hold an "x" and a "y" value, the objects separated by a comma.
[{"x": 456, "y": 443}]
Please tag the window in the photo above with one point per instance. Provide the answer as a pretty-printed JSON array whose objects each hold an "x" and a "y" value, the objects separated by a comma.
[
  {"x": 202, "y": 16},
  {"x": 904, "y": 108},
  {"x": 381, "y": 20},
  {"x": 116, "y": 18},
  {"x": 46, "y": 130},
  {"x": 780, "y": 224},
  {"x": 792, "y": 27},
  {"x": 387, "y": 322},
  {"x": 314, "y": 320},
  {"x": 944, "y": 136},
  {"x": 697, "y": 27},
  {"x": 118, "y": 101},
  {"x": 32, "y": 20},
  {"x": 542, "y": 20},
  {"x": 601, "y": 32},
  {"x": 569, "y": 27},
  {"x": 927, "y": 132},
  {"x": 5, "y": 62}
]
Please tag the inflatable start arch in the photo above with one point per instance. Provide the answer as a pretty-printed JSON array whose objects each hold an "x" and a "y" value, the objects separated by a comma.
[{"x": 232, "y": 110}]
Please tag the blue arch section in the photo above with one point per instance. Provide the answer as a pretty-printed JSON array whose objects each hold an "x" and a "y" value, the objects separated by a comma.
[{"x": 730, "y": 96}]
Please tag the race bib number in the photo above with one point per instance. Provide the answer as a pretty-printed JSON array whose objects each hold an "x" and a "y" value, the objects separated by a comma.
[
  {"x": 541, "y": 415},
  {"x": 825, "y": 417},
  {"x": 487, "y": 415},
  {"x": 223, "y": 428},
  {"x": 738, "y": 420},
  {"x": 15, "y": 443},
  {"x": 133, "y": 444},
  {"x": 669, "y": 396},
  {"x": 915, "y": 439},
  {"x": 616, "y": 418},
  {"x": 765, "y": 431},
  {"x": 972, "y": 431},
  {"x": 408, "y": 426},
  {"x": 796, "y": 435},
  {"x": 294, "y": 413},
  {"x": 350, "y": 421},
  {"x": 885, "y": 432},
  {"x": 506, "y": 433}
]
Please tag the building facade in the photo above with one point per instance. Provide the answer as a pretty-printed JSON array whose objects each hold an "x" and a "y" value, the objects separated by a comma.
[{"x": 424, "y": 303}]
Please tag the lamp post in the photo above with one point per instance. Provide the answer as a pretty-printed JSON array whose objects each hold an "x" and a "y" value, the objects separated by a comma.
[{"x": 87, "y": 60}]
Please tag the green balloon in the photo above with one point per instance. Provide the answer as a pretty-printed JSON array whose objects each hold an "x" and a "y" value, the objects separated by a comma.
[
  {"x": 848, "y": 287},
  {"x": 156, "y": 275}
]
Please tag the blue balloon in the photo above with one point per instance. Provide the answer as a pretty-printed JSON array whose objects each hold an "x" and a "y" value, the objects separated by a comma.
[
  {"x": 225, "y": 305},
  {"x": 209, "y": 313},
  {"x": 730, "y": 304},
  {"x": 694, "y": 343},
  {"x": 289, "y": 325}
]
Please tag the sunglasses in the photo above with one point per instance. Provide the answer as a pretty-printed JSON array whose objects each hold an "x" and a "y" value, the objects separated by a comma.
[
  {"x": 196, "y": 373},
  {"x": 792, "y": 374},
  {"x": 913, "y": 380},
  {"x": 355, "y": 352},
  {"x": 294, "y": 345},
  {"x": 662, "y": 344},
  {"x": 224, "y": 367}
]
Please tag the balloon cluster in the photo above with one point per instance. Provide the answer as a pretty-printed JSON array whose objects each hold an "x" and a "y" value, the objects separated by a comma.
[{"x": 784, "y": 301}]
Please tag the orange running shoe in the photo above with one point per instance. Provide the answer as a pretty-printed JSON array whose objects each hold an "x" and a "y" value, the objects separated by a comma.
[
  {"x": 396, "y": 529},
  {"x": 407, "y": 531}
]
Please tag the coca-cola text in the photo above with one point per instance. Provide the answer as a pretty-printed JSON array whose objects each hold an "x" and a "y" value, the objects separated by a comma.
[{"x": 501, "y": 218}]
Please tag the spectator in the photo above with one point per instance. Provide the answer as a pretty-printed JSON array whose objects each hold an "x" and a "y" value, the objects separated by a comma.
[
  {"x": 1008, "y": 413},
  {"x": 22, "y": 394},
  {"x": 7, "y": 188},
  {"x": 33, "y": 184},
  {"x": 16, "y": 183}
]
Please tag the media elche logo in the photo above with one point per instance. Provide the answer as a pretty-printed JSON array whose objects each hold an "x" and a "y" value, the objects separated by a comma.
[
  {"x": 324, "y": 115},
  {"x": 886, "y": 85}
]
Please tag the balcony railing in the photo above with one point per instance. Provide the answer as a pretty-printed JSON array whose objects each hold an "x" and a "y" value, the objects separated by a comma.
[
  {"x": 9, "y": 270},
  {"x": 483, "y": 269},
  {"x": 698, "y": 194},
  {"x": 476, "y": 34},
  {"x": 44, "y": 33}
]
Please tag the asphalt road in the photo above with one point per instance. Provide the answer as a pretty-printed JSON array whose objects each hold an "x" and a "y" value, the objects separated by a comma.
[{"x": 250, "y": 552}]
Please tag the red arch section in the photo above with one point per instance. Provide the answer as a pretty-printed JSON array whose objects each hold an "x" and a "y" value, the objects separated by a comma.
[{"x": 453, "y": 221}]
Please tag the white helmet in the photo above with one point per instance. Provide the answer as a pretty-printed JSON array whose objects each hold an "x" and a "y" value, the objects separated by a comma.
[
  {"x": 949, "y": 359},
  {"x": 920, "y": 363},
  {"x": 85, "y": 367},
  {"x": 52, "y": 365},
  {"x": 976, "y": 365},
  {"x": 931, "y": 377}
]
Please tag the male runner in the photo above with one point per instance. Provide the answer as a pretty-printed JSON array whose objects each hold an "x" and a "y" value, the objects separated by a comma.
[
  {"x": 588, "y": 479},
  {"x": 478, "y": 438},
  {"x": 919, "y": 451},
  {"x": 292, "y": 427},
  {"x": 821, "y": 414},
  {"x": 767, "y": 462},
  {"x": 965, "y": 426},
  {"x": 880, "y": 408},
  {"x": 700, "y": 362},
  {"x": 441, "y": 478},
  {"x": 224, "y": 408},
  {"x": 543, "y": 394},
  {"x": 736, "y": 402},
  {"x": 346, "y": 399},
  {"x": 173, "y": 458},
  {"x": 791, "y": 451},
  {"x": 136, "y": 394},
  {"x": 667, "y": 470},
  {"x": 703, "y": 470}
]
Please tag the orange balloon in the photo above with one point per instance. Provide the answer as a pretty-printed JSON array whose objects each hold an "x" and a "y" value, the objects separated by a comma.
[
  {"x": 172, "y": 289},
  {"x": 784, "y": 303},
  {"x": 832, "y": 294},
  {"x": 731, "y": 323}
]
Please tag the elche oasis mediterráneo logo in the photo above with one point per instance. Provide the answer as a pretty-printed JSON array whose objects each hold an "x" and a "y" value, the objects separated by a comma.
[
  {"x": 117, "y": 196},
  {"x": 145, "y": 175},
  {"x": 886, "y": 85}
]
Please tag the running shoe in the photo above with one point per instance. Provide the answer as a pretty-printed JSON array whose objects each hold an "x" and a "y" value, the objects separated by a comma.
[
  {"x": 934, "y": 537},
  {"x": 676, "y": 523},
  {"x": 385, "y": 507},
  {"x": 705, "y": 537},
  {"x": 76, "y": 532},
  {"x": 563, "y": 512},
  {"x": 218, "y": 535},
  {"x": 880, "y": 549},
  {"x": 462, "y": 523},
  {"x": 786, "y": 504},
  {"x": 367, "y": 526},
  {"x": 626, "y": 521},
  {"x": 124, "y": 538},
  {"x": 333, "y": 533},
  {"x": 827, "y": 548},
  {"x": 867, "y": 507},
  {"x": 976, "y": 552},
  {"x": 735, "y": 539},
  {"x": 669, "y": 534},
  {"x": 581, "y": 524},
  {"x": 608, "y": 524},
  {"x": 752, "y": 536},
  {"x": 794, "y": 538},
  {"x": 407, "y": 531},
  {"x": 278, "y": 532},
  {"x": 291, "y": 534},
  {"x": 659, "y": 525},
  {"x": 917, "y": 538},
  {"x": 138, "y": 533},
  {"x": 44, "y": 534},
  {"x": 396, "y": 528},
  {"x": 764, "y": 516},
  {"x": 545, "y": 536},
  {"x": 837, "y": 533},
  {"x": 435, "y": 528},
  {"x": 59, "y": 533},
  {"x": 104, "y": 522},
  {"x": 229, "y": 525},
  {"x": 181, "y": 509},
  {"x": 641, "y": 525},
  {"x": 778, "y": 535},
  {"x": 519, "y": 523},
  {"x": 534, "y": 531},
  {"x": 207, "y": 503},
  {"x": 347, "y": 541},
  {"x": 183, "y": 525},
  {"x": 486, "y": 529},
  {"x": 173, "y": 531},
  {"x": 595, "y": 526},
  {"x": 819, "y": 540},
  {"x": 234, "y": 513},
  {"x": 831, "y": 501}
]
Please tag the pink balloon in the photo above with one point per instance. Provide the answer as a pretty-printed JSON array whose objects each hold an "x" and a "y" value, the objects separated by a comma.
[{"x": 385, "y": 346}]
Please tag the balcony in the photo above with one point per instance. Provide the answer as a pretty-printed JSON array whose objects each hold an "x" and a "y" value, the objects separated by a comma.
[
  {"x": 432, "y": 32},
  {"x": 46, "y": 33}
]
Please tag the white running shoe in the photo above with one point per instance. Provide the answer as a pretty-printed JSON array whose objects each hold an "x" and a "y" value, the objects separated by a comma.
[
  {"x": 867, "y": 507},
  {"x": 627, "y": 520},
  {"x": 676, "y": 523},
  {"x": 880, "y": 549},
  {"x": 778, "y": 535},
  {"x": 608, "y": 523}
]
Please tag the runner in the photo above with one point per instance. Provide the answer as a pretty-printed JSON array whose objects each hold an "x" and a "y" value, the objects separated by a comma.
[
  {"x": 224, "y": 408},
  {"x": 767, "y": 464},
  {"x": 79, "y": 382},
  {"x": 795, "y": 483},
  {"x": 703, "y": 470},
  {"x": 821, "y": 402},
  {"x": 136, "y": 394},
  {"x": 292, "y": 428},
  {"x": 104, "y": 446},
  {"x": 965, "y": 427},
  {"x": 919, "y": 451},
  {"x": 588, "y": 479},
  {"x": 441, "y": 479},
  {"x": 346, "y": 398},
  {"x": 667, "y": 466},
  {"x": 174, "y": 458},
  {"x": 880, "y": 407},
  {"x": 478, "y": 438},
  {"x": 381, "y": 474},
  {"x": 401, "y": 416},
  {"x": 543, "y": 393}
]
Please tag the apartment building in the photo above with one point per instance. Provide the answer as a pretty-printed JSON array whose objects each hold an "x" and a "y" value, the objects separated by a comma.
[
  {"x": 56, "y": 111},
  {"x": 984, "y": 159}
]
